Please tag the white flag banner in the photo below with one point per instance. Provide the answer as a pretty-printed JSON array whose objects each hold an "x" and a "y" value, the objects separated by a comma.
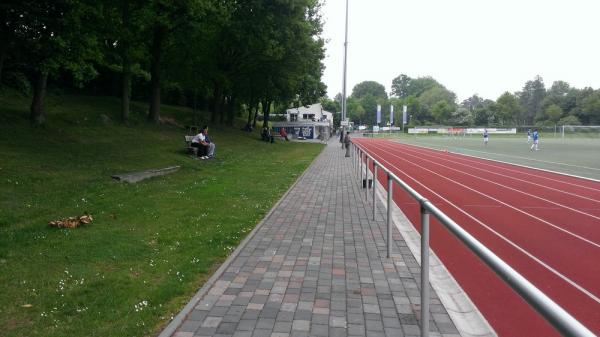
[
  {"x": 404, "y": 114},
  {"x": 378, "y": 113},
  {"x": 391, "y": 115}
]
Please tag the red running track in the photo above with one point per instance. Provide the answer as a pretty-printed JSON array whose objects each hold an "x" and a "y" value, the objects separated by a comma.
[{"x": 544, "y": 225}]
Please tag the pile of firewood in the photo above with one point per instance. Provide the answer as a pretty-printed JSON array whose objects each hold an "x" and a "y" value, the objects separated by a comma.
[{"x": 72, "y": 222}]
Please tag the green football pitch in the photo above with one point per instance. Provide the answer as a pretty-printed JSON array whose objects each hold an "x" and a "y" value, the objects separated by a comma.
[{"x": 575, "y": 156}]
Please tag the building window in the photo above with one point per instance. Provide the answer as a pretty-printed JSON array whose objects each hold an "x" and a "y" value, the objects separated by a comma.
[{"x": 293, "y": 117}]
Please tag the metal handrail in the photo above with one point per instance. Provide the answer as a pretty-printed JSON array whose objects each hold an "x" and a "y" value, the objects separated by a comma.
[{"x": 561, "y": 320}]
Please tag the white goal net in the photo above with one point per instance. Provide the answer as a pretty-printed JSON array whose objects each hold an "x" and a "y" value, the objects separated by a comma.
[{"x": 583, "y": 131}]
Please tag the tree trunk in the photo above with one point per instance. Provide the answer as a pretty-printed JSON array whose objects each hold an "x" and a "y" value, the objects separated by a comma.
[
  {"x": 249, "y": 116},
  {"x": 195, "y": 107},
  {"x": 216, "y": 103},
  {"x": 38, "y": 111},
  {"x": 3, "y": 52},
  {"x": 126, "y": 58},
  {"x": 156, "y": 54},
  {"x": 231, "y": 111},
  {"x": 222, "y": 109},
  {"x": 126, "y": 94},
  {"x": 255, "y": 116},
  {"x": 266, "y": 108}
]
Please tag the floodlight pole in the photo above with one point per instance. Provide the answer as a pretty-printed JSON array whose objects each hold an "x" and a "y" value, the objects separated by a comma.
[{"x": 345, "y": 57}]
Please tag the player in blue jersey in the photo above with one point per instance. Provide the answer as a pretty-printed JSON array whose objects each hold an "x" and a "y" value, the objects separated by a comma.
[
  {"x": 486, "y": 137},
  {"x": 528, "y": 135},
  {"x": 536, "y": 139}
]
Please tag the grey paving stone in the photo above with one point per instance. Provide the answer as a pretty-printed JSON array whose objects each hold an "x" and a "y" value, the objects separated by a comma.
[
  {"x": 317, "y": 267},
  {"x": 320, "y": 330}
]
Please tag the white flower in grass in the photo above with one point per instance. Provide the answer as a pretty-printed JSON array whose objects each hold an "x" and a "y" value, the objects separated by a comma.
[{"x": 140, "y": 306}]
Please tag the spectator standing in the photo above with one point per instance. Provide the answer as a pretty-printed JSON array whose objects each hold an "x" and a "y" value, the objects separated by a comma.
[{"x": 347, "y": 143}]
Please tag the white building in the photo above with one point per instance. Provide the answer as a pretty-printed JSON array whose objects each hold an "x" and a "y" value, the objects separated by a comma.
[
  {"x": 310, "y": 122},
  {"x": 312, "y": 113}
]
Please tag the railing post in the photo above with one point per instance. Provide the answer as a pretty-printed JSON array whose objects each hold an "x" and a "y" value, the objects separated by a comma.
[
  {"x": 356, "y": 169},
  {"x": 374, "y": 184},
  {"x": 389, "y": 216},
  {"x": 355, "y": 159},
  {"x": 366, "y": 178},
  {"x": 360, "y": 163},
  {"x": 424, "y": 270}
]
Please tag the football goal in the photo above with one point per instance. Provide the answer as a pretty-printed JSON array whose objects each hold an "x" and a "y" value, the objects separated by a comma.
[{"x": 580, "y": 131}]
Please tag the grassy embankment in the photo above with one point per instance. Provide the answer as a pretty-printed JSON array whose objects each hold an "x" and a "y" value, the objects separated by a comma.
[{"x": 151, "y": 244}]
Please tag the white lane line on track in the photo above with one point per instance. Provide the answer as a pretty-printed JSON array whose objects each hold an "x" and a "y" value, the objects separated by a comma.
[
  {"x": 501, "y": 185},
  {"x": 522, "y": 250},
  {"x": 514, "y": 178},
  {"x": 503, "y": 203},
  {"x": 432, "y": 148}
]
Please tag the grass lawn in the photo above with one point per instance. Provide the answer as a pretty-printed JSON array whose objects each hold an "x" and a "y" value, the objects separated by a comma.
[{"x": 151, "y": 244}]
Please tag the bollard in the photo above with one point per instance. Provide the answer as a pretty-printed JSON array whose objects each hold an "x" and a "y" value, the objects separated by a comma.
[
  {"x": 374, "y": 187},
  {"x": 424, "y": 270},
  {"x": 389, "y": 216}
]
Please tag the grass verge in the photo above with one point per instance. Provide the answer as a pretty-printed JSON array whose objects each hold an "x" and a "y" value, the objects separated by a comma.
[{"x": 151, "y": 244}]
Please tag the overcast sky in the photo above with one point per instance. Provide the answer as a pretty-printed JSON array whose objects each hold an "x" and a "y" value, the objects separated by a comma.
[{"x": 470, "y": 46}]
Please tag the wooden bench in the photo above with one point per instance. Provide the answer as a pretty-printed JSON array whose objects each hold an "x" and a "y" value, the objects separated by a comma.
[{"x": 189, "y": 148}]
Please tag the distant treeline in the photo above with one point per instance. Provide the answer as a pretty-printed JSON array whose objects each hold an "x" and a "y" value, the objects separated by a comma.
[
  {"x": 228, "y": 57},
  {"x": 429, "y": 102}
]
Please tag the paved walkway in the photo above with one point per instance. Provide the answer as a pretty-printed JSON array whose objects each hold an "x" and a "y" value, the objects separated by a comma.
[{"x": 315, "y": 266}]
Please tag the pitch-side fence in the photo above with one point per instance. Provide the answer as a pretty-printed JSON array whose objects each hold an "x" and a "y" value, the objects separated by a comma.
[{"x": 561, "y": 320}]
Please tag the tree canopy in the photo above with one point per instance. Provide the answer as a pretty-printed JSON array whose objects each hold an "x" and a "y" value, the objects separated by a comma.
[
  {"x": 429, "y": 102},
  {"x": 222, "y": 55}
]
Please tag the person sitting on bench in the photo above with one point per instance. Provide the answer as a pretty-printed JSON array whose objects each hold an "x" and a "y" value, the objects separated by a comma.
[
  {"x": 206, "y": 148},
  {"x": 283, "y": 134}
]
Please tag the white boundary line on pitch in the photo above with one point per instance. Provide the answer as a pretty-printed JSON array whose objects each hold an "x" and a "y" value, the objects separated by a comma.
[
  {"x": 508, "y": 163},
  {"x": 526, "y": 158},
  {"x": 597, "y": 245},
  {"x": 489, "y": 181},
  {"x": 519, "y": 248},
  {"x": 482, "y": 162}
]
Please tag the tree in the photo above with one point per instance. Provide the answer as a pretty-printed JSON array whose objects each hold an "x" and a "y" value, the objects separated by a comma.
[
  {"x": 508, "y": 109},
  {"x": 124, "y": 43},
  {"x": 441, "y": 111},
  {"x": 165, "y": 17},
  {"x": 462, "y": 116},
  {"x": 554, "y": 113},
  {"x": 432, "y": 96},
  {"x": 569, "y": 120},
  {"x": 54, "y": 36},
  {"x": 419, "y": 85},
  {"x": 369, "y": 88},
  {"x": 9, "y": 21},
  {"x": 472, "y": 102},
  {"x": 401, "y": 86},
  {"x": 531, "y": 98},
  {"x": 591, "y": 108}
]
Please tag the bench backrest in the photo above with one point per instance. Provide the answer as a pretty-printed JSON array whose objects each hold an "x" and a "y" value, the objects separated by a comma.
[{"x": 188, "y": 139}]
